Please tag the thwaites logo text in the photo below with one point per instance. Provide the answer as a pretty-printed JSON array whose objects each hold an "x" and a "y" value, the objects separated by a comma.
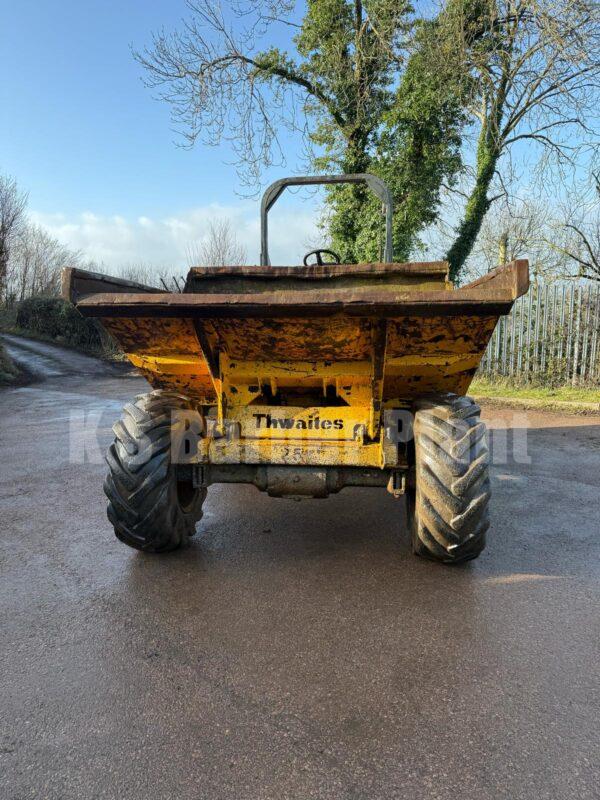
[{"x": 311, "y": 423}]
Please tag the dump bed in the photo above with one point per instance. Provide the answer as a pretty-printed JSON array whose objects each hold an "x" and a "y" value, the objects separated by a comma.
[{"x": 302, "y": 325}]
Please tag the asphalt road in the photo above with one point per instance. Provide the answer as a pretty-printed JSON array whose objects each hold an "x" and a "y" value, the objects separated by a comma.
[{"x": 295, "y": 650}]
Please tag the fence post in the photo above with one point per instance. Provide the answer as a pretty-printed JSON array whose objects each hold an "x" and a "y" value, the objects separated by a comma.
[
  {"x": 552, "y": 334},
  {"x": 596, "y": 325},
  {"x": 586, "y": 333},
  {"x": 497, "y": 348},
  {"x": 513, "y": 323},
  {"x": 529, "y": 315},
  {"x": 536, "y": 337},
  {"x": 504, "y": 344},
  {"x": 561, "y": 338},
  {"x": 521, "y": 302},
  {"x": 552, "y": 330},
  {"x": 544, "y": 329},
  {"x": 577, "y": 333},
  {"x": 569, "y": 332}
]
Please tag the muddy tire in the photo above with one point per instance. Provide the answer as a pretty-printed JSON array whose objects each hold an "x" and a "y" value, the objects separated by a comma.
[
  {"x": 149, "y": 506},
  {"x": 448, "y": 506}
]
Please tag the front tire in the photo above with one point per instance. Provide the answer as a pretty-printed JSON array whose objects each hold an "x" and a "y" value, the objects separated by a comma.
[
  {"x": 448, "y": 506},
  {"x": 149, "y": 506}
]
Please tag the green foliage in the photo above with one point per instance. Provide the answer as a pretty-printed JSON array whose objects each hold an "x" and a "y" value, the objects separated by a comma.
[
  {"x": 473, "y": 34},
  {"x": 58, "y": 319},
  {"x": 417, "y": 150},
  {"x": 350, "y": 60},
  {"x": 523, "y": 72},
  {"x": 409, "y": 136},
  {"x": 348, "y": 64},
  {"x": 477, "y": 205},
  {"x": 8, "y": 371},
  {"x": 348, "y": 87}
]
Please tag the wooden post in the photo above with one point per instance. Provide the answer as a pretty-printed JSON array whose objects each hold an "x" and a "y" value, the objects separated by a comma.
[
  {"x": 570, "y": 331},
  {"x": 529, "y": 320},
  {"x": 595, "y": 334},
  {"x": 552, "y": 330},
  {"x": 504, "y": 344},
  {"x": 538, "y": 311},
  {"x": 561, "y": 338},
  {"x": 577, "y": 333},
  {"x": 544, "y": 330},
  {"x": 586, "y": 332},
  {"x": 502, "y": 248},
  {"x": 521, "y": 302}
]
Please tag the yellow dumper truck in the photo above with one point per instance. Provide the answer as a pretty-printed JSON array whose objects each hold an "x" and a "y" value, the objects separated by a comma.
[{"x": 303, "y": 380}]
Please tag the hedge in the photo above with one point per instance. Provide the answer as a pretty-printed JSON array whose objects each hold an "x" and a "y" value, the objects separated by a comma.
[
  {"x": 8, "y": 371},
  {"x": 58, "y": 319}
]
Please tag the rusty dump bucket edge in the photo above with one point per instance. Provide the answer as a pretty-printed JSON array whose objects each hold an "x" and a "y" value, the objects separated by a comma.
[{"x": 101, "y": 296}]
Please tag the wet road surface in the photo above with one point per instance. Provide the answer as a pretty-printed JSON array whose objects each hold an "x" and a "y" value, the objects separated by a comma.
[{"x": 295, "y": 650}]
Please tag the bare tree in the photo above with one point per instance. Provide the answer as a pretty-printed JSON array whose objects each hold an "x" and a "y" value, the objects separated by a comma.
[
  {"x": 532, "y": 74},
  {"x": 218, "y": 249},
  {"x": 519, "y": 229},
  {"x": 224, "y": 79},
  {"x": 580, "y": 242},
  {"x": 139, "y": 272},
  {"x": 35, "y": 263},
  {"x": 12, "y": 209}
]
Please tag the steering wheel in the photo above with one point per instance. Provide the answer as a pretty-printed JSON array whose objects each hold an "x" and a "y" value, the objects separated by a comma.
[{"x": 319, "y": 256}]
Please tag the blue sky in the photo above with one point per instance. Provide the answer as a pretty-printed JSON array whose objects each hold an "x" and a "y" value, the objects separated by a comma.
[{"x": 98, "y": 154}]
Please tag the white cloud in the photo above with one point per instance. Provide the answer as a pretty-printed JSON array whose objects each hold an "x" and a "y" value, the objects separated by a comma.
[{"x": 115, "y": 241}]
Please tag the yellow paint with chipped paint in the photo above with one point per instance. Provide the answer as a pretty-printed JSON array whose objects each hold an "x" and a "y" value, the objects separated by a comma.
[
  {"x": 330, "y": 423},
  {"x": 294, "y": 452},
  {"x": 169, "y": 365},
  {"x": 308, "y": 362}
]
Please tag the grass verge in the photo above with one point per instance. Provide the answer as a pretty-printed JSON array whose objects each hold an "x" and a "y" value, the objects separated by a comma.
[{"x": 575, "y": 398}]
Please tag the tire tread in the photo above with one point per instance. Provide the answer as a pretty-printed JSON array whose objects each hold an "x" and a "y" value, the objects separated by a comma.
[
  {"x": 141, "y": 482},
  {"x": 450, "y": 508}
]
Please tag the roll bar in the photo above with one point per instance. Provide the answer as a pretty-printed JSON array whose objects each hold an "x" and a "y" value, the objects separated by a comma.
[{"x": 375, "y": 184}]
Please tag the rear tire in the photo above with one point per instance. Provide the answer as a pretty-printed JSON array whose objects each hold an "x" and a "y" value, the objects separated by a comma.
[
  {"x": 149, "y": 506},
  {"x": 448, "y": 507}
]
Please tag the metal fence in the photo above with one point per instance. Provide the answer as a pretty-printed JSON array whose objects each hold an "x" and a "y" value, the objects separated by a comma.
[{"x": 551, "y": 336}]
